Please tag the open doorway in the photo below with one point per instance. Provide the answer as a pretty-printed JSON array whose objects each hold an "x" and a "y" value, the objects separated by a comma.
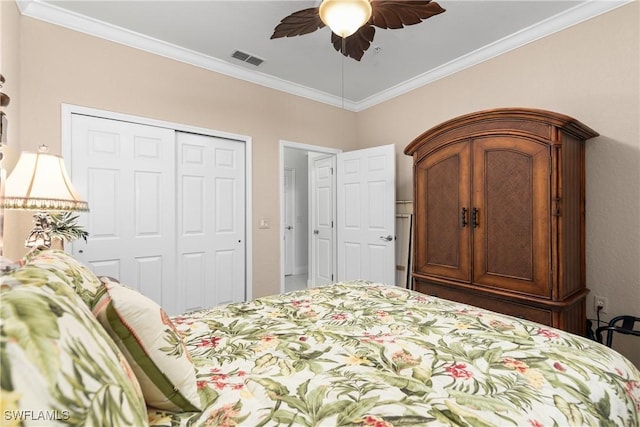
[
  {"x": 337, "y": 214},
  {"x": 294, "y": 217}
]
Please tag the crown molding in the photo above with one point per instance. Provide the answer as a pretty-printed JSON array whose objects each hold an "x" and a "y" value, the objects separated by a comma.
[
  {"x": 55, "y": 15},
  {"x": 575, "y": 15},
  {"x": 74, "y": 21}
]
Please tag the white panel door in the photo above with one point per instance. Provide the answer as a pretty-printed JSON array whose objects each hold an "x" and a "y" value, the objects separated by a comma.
[
  {"x": 126, "y": 171},
  {"x": 210, "y": 222},
  {"x": 322, "y": 212},
  {"x": 366, "y": 214}
]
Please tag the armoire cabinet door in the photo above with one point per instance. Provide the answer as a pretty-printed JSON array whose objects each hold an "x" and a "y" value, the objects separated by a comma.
[
  {"x": 511, "y": 191},
  {"x": 443, "y": 194}
]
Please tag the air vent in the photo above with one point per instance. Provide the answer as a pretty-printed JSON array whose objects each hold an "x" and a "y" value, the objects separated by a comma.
[{"x": 245, "y": 57}]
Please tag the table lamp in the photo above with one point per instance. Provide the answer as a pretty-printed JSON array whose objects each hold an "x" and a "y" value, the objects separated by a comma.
[{"x": 39, "y": 182}]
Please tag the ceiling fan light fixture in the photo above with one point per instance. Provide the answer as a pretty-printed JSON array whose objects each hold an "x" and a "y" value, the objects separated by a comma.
[{"x": 344, "y": 17}]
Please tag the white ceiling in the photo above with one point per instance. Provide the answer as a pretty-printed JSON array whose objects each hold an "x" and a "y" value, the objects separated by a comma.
[{"x": 206, "y": 33}]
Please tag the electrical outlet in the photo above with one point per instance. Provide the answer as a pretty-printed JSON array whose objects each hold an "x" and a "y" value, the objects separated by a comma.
[{"x": 599, "y": 301}]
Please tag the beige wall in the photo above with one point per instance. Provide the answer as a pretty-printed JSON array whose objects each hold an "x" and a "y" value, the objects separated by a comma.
[
  {"x": 63, "y": 66},
  {"x": 589, "y": 71},
  {"x": 10, "y": 69}
]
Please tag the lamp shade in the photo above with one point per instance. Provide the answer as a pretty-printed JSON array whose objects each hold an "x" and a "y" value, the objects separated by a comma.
[
  {"x": 344, "y": 17},
  {"x": 40, "y": 182}
]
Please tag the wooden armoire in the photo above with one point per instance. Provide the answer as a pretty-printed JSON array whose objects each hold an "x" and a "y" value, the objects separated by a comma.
[{"x": 499, "y": 199}]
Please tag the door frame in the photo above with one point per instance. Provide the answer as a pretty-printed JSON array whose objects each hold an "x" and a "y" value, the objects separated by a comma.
[
  {"x": 67, "y": 110},
  {"x": 294, "y": 230},
  {"x": 283, "y": 144}
]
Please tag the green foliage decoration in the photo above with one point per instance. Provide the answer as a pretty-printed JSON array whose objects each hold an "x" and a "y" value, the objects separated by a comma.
[{"x": 64, "y": 226}]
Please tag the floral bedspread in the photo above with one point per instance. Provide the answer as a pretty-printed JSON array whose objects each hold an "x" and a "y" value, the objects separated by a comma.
[{"x": 363, "y": 354}]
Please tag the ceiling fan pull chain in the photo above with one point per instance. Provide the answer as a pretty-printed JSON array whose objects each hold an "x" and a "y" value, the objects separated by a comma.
[{"x": 344, "y": 43}]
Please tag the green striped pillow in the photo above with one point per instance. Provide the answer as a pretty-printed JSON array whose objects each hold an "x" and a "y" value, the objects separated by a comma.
[{"x": 152, "y": 346}]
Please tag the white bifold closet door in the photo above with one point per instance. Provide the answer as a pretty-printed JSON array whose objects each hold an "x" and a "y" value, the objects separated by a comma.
[
  {"x": 211, "y": 241},
  {"x": 167, "y": 210}
]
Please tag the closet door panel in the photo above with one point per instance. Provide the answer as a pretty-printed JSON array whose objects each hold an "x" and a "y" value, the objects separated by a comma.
[
  {"x": 127, "y": 173},
  {"x": 211, "y": 241}
]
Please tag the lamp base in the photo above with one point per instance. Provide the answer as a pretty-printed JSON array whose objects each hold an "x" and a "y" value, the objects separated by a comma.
[{"x": 41, "y": 233}]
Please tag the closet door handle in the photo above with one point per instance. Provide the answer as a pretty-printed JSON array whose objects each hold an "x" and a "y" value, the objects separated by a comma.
[
  {"x": 474, "y": 218},
  {"x": 463, "y": 217}
]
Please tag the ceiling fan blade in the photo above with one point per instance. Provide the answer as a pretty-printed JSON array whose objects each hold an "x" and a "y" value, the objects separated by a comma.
[
  {"x": 396, "y": 14},
  {"x": 298, "y": 23},
  {"x": 356, "y": 44}
]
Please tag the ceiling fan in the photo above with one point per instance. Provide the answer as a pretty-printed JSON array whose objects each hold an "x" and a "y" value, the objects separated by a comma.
[{"x": 355, "y": 41}]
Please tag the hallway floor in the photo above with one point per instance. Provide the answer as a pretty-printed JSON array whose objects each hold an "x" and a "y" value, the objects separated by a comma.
[{"x": 295, "y": 282}]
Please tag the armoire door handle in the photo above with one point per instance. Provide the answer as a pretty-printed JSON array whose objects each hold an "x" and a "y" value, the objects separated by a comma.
[
  {"x": 474, "y": 218},
  {"x": 463, "y": 218}
]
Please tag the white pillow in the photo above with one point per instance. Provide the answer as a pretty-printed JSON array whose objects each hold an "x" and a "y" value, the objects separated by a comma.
[{"x": 147, "y": 337}]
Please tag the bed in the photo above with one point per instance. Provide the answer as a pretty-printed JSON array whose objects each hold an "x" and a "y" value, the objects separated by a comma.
[
  {"x": 366, "y": 354},
  {"x": 81, "y": 350}
]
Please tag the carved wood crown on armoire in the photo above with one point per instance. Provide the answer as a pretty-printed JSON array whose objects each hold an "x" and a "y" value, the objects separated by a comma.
[{"x": 500, "y": 214}]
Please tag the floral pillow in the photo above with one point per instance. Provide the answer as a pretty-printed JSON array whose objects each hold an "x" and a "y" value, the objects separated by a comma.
[
  {"x": 76, "y": 274},
  {"x": 151, "y": 344},
  {"x": 59, "y": 367}
]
